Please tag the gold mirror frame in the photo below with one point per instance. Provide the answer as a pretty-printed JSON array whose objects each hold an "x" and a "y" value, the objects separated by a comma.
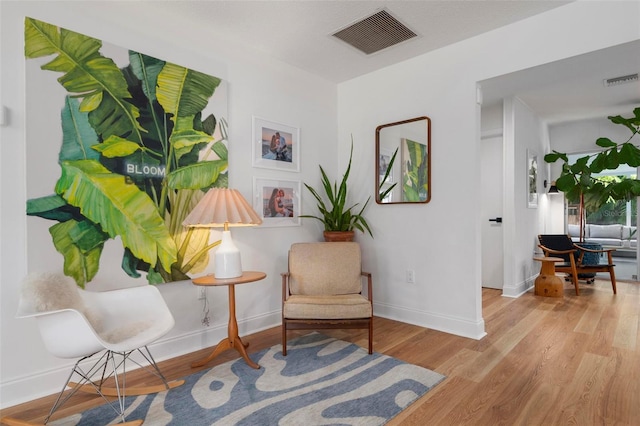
[{"x": 403, "y": 162}]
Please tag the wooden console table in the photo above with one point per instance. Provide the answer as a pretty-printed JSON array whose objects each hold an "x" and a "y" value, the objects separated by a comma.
[
  {"x": 233, "y": 341},
  {"x": 548, "y": 283}
]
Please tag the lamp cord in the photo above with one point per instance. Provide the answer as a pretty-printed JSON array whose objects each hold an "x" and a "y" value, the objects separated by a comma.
[{"x": 205, "y": 312}]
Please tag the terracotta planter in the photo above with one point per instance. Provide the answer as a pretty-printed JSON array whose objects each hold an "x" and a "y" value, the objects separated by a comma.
[{"x": 334, "y": 236}]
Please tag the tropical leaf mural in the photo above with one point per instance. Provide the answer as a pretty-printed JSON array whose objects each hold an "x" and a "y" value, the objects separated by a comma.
[
  {"x": 415, "y": 185},
  {"x": 137, "y": 153}
]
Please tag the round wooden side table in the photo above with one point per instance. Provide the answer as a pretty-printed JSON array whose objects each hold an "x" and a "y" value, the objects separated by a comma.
[
  {"x": 548, "y": 284},
  {"x": 232, "y": 341}
]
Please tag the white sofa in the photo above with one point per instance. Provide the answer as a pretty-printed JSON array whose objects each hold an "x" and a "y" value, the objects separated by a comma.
[{"x": 609, "y": 236}]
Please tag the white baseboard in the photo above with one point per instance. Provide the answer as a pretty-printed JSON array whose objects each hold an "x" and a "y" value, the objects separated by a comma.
[
  {"x": 458, "y": 326},
  {"x": 519, "y": 289}
]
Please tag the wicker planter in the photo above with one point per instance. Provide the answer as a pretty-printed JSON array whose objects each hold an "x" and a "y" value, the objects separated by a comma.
[{"x": 333, "y": 236}]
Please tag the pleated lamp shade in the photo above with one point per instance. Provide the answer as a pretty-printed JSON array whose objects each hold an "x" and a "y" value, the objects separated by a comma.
[{"x": 222, "y": 207}]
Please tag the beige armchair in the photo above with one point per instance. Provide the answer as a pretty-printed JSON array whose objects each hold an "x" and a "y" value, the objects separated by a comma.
[{"x": 324, "y": 289}]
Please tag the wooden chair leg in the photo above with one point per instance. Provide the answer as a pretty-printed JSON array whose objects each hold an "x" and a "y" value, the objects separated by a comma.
[
  {"x": 612, "y": 275},
  {"x": 284, "y": 338},
  {"x": 370, "y": 336},
  {"x": 574, "y": 277}
]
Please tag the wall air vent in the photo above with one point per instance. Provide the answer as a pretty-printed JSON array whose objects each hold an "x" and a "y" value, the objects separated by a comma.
[
  {"x": 621, "y": 80},
  {"x": 375, "y": 32}
]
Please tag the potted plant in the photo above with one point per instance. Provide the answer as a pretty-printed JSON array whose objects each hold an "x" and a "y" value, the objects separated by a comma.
[
  {"x": 339, "y": 221},
  {"x": 579, "y": 181}
]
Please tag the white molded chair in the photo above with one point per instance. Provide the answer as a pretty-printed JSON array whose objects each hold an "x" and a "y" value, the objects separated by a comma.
[{"x": 107, "y": 327}]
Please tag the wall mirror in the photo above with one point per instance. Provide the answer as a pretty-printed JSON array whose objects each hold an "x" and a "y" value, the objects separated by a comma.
[{"x": 403, "y": 165}]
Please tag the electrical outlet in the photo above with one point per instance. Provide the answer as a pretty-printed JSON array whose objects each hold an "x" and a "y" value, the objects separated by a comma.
[
  {"x": 202, "y": 293},
  {"x": 411, "y": 276}
]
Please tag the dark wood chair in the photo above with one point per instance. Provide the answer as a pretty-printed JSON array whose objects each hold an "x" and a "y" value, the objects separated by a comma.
[
  {"x": 323, "y": 288},
  {"x": 560, "y": 245}
]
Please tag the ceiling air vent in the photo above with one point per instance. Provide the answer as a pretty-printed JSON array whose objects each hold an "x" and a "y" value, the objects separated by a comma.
[
  {"x": 621, "y": 80},
  {"x": 374, "y": 33}
]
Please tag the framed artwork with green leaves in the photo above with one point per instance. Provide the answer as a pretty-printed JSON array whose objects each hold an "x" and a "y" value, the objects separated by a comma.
[{"x": 139, "y": 140}]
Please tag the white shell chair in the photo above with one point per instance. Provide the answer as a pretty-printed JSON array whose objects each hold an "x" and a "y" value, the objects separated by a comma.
[{"x": 106, "y": 326}]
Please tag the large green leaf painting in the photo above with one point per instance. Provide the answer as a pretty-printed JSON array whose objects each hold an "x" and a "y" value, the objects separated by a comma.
[
  {"x": 87, "y": 74},
  {"x": 137, "y": 153},
  {"x": 119, "y": 208},
  {"x": 415, "y": 184},
  {"x": 80, "y": 263},
  {"x": 77, "y": 134}
]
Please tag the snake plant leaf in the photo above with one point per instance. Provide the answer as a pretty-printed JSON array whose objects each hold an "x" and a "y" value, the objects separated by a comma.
[
  {"x": 119, "y": 208},
  {"x": 196, "y": 176},
  {"x": 81, "y": 265},
  {"x": 115, "y": 146},
  {"x": 52, "y": 207},
  {"x": 77, "y": 133},
  {"x": 386, "y": 192},
  {"x": 86, "y": 73},
  {"x": 184, "y": 92},
  {"x": 338, "y": 217}
]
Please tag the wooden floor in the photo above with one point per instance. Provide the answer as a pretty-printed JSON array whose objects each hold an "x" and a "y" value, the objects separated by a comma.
[{"x": 544, "y": 361}]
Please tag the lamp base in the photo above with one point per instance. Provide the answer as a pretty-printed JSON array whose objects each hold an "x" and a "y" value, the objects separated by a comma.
[{"x": 227, "y": 258}]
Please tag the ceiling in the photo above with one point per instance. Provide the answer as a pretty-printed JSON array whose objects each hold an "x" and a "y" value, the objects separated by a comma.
[{"x": 299, "y": 33}]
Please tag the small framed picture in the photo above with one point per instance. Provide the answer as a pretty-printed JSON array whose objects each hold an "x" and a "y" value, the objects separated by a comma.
[
  {"x": 532, "y": 179},
  {"x": 275, "y": 145},
  {"x": 277, "y": 201},
  {"x": 383, "y": 165}
]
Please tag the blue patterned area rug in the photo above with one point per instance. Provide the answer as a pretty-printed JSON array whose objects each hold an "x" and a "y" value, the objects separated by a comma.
[{"x": 322, "y": 380}]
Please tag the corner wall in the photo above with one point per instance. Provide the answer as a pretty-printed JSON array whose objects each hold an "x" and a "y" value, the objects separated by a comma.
[
  {"x": 306, "y": 101},
  {"x": 440, "y": 241}
]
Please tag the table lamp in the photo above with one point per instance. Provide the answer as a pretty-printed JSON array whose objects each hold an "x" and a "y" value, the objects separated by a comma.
[{"x": 222, "y": 208}]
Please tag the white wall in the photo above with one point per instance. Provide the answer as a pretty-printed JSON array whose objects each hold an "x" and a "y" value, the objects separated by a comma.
[
  {"x": 256, "y": 86},
  {"x": 578, "y": 137},
  {"x": 524, "y": 135},
  {"x": 441, "y": 240}
]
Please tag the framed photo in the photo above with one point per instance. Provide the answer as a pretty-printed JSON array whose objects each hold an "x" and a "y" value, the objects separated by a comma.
[
  {"x": 275, "y": 145},
  {"x": 383, "y": 165},
  {"x": 277, "y": 201},
  {"x": 532, "y": 179},
  {"x": 415, "y": 171}
]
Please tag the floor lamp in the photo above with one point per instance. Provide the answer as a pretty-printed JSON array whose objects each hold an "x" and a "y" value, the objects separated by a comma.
[{"x": 223, "y": 208}]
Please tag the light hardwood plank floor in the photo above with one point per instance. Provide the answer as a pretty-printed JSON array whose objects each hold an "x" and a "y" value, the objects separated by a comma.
[{"x": 544, "y": 361}]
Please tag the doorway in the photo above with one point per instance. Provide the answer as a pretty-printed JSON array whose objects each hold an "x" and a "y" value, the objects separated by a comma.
[{"x": 491, "y": 181}]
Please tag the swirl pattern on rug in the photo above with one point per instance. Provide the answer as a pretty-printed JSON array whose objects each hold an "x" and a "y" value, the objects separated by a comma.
[{"x": 321, "y": 381}]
